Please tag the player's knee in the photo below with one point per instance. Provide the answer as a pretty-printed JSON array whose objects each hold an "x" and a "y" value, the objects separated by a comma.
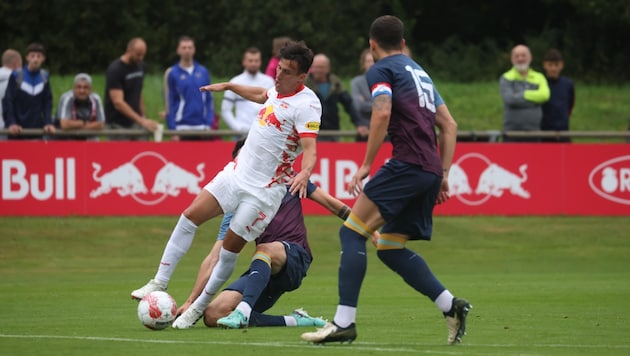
[{"x": 354, "y": 223}]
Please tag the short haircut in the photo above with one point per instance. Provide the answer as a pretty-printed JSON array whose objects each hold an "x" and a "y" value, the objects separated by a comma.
[
  {"x": 297, "y": 51},
  {"x": 83, "y": 77},
  {"x": 10, "y": 57},
  {"x": 552, "y": 55},
  {"x": 185, "y": 39},
  {"x": 35, "y": 47},
  {"x": 252, "y": 50},
  {"x": 388, "y": 31}
]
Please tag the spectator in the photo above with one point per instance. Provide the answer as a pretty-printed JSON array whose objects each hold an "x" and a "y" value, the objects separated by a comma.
[
  {"x": 28, "y": 102},
  {"x": 238, "y": 112},
  {"x": 330, "y": 91},
  {"x": 188, "y": 108},
  {"x": 362, "y": 95},
  {"x": 81, "y": 108},
  {"x": 557, "y": 111},
  {"x": 277, "y": 44},
  {"x": 124, "y": 106},
  {"x": 523, "y": 91},
  {"x": 11, "y": 60}
]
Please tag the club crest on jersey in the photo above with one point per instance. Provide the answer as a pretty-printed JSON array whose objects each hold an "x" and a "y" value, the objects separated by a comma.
[
  {"x": 266, "y": 117},
  {"x": 312, "y": 125}
]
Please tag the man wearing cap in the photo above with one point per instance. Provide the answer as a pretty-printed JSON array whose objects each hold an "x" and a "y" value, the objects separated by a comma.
[
  {"x": 28, "y": 102},
  {"x": 81, "y": 108}
]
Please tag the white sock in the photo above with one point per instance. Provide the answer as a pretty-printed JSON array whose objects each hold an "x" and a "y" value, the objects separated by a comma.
[
  {"x": 222, "y": 271},
  {"x": 444, "y": 301},
  {"x": 245, "y": 308},
  {"x": 176, "y": 247},
  {"x": 345, "y": 315},
  {"x": 290, "y": 320}
]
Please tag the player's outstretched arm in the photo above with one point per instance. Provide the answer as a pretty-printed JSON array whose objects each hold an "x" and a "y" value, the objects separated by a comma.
[
  {"x": 255, "y": 94},
  {"x": 331, "y": 203},
  {"x": 205, "y": 270}
]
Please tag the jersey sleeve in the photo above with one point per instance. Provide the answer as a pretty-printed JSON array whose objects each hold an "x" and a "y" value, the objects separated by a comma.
[
  {"x": 310, "y": 188},
  {"x": 308, "y": 117}
]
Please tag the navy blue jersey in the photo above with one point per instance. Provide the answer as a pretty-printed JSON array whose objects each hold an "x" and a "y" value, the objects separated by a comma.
[{"x": 414, "y": 101}]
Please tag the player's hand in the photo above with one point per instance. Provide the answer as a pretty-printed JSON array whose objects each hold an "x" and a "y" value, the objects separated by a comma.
[
  {"x": 183, "y": 307},
  {"x": 356, "y": 184},
  {"x": 375, "y": 236},
  {"x": 298, "y": 184},
  {"x": 444, "y": 193},
  {"x": 214, "y": 87}
]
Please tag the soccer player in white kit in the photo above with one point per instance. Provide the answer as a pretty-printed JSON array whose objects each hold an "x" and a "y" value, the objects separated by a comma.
[{"x": 252, "y": 185}]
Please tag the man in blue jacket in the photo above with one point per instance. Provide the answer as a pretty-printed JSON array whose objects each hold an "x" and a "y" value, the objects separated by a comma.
[
  {"x": 187, "y": 107},
  {"x": 28, "y": 100}
]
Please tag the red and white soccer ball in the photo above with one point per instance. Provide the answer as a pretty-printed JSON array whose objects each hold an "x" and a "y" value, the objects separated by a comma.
[{"x": 157, "y": 310}]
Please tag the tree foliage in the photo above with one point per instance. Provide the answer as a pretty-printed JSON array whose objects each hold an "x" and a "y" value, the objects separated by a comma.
[{"x": 453, "y": 39}]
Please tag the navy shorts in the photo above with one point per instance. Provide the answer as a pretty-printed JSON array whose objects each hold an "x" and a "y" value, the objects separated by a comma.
[
  {"x": 405, "y": 195},
  {"x": 289, "y": 278}
]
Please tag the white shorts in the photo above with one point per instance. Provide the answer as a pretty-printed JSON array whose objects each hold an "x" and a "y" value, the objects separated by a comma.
[{"x": 253, "y": 207}]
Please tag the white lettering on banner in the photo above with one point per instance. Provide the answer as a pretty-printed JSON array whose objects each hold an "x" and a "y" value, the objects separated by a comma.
[
  {"x": 321, "y": 179},
  {"x": 61, "y": 182},
  {"x": 344, "y": 171},
  {"x": 611, "y": 180}
]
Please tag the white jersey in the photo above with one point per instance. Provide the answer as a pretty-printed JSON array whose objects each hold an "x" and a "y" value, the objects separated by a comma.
[
  {"x": 273, "y": 141},
  {"x": 238, "y": 112}
]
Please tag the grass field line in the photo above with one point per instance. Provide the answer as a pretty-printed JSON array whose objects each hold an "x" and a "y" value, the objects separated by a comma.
[{"x": 364, "y": 346}]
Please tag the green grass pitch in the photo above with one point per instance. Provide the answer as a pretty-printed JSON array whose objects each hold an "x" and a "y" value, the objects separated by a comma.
[{"x": 539, "y": 286}]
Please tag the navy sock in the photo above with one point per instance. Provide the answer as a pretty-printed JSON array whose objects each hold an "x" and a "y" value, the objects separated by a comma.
[
  {"x": 413, "y": 269},
  {"x": 257, "y": 279},
  {"x": 352, "y": 266},
  {"x": 259, "y": 319}
]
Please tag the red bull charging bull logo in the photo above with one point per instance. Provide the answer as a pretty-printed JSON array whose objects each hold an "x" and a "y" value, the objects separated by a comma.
[
  {"x": 611, "y": 180},
  {"x": 266, "y": 117},
  {"x": 130, "y": 179},
  {"x": 493, "y": 180}
]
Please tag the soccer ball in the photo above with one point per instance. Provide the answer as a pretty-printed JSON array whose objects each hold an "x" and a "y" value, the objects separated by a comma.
[{"x": 157, "y": 310}]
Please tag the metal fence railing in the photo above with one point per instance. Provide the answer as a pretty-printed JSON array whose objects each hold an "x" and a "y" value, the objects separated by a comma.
[{"x": 464, "y": 135}]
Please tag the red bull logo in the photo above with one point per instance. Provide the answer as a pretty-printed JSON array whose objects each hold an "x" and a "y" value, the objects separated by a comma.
[
  {"x": 611, "y": 180},
  {"x": 128, "y": 179},
  {"x": 494, "y": 180},
  {"x": 266, "y": 117}
]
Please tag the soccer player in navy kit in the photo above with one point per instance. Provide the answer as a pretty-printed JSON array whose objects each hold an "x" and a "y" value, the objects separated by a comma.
[{"x": 400, "y": 197}]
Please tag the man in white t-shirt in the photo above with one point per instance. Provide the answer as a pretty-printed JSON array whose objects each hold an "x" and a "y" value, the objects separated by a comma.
[
  {"x": 252, "y": 185},
  {"x": 238, "y": 112},
  {"x": 11, "y": 60}
]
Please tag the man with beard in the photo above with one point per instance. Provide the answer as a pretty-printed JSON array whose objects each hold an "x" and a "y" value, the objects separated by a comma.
[{"x": 124, "y": 106}]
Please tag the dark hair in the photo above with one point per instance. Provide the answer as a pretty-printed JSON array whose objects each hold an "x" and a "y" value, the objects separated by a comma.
[
  {"x": 185, "y": 39},
  {"x": 388, "y": 31},
  {"x": 552, "y": 55},
  {"x": 252, "y": 50},
  {"x": 297, "y": 51},
  {"x": 237, "y": 147},
  {"x": 35, "y": 47}
]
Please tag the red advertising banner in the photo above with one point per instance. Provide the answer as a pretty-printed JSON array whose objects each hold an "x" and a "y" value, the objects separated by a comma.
[{"x": 59, "y": 178}]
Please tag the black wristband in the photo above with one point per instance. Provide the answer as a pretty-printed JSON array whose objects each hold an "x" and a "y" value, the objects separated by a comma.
[{"x": 344, "y": 212}]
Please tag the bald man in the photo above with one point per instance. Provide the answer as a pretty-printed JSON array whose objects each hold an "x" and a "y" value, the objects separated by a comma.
[
  {"x": 124, "y": 105},
  {"x": 330, "y": 91},
  {"x": 11, "y": 60},
  {"x": 523, "y": 91}
]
